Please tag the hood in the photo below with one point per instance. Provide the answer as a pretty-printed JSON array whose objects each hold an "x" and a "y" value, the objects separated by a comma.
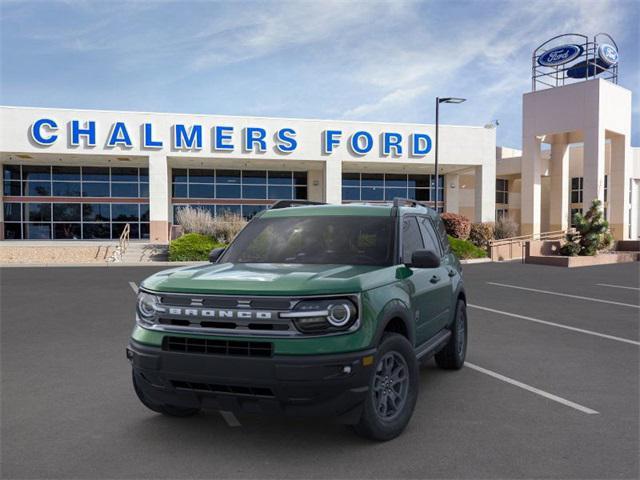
[{"x": 271, "y": 279}]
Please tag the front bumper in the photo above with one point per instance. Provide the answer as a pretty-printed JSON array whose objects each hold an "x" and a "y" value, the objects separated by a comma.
[{"x": 320, "y": 385}]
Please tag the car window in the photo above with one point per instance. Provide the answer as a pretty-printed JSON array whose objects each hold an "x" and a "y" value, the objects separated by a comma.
[
  {"x": 429, "y": 236},
  {"x": 411, "y": 238},
  {"x": 442, "y": 233}
]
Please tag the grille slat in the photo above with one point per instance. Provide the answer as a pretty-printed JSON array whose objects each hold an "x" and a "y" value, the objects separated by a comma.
[
  {"x": 228, "y": 389},
  {"x": 217, "y": 347}
]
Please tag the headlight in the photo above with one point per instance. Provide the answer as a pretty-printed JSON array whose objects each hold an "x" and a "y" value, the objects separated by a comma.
[
  {"x": 147, "y": 306},
  {"x": 323, "y": 315}
]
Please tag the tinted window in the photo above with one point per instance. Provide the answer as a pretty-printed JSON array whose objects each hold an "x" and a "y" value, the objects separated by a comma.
[
  {"x": 411, "y": 238},
  {"x": 429, "y": 236},
  {"x": 66, "y": 212},
  {"x": 100, "y": 174},
  {"x": 36, "y": 172},
  {"x": 315, "y": 240},
  {"x": 66, "y": 173},
  {"x": 442, "y": 233},
  {"x": 66, "y": 189}
]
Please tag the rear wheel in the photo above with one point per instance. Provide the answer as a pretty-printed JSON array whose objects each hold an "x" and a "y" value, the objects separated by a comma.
[
  {"x": 169, "y": 410},
  {"x": 393, "y": 390},
  {"x": 452, "y": 356}
]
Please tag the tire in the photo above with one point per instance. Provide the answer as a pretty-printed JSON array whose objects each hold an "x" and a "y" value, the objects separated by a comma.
[
  {"x": 452, "y": 356},
  {"x": 169, "y": 410},
  {"x": 385, "y": 415}
]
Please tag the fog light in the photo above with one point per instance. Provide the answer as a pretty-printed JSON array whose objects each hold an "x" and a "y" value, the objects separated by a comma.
[{"x": 129, "y": 355}]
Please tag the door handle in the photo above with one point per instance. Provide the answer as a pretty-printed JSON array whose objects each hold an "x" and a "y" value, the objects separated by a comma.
[{"x": 435, "y": 279}]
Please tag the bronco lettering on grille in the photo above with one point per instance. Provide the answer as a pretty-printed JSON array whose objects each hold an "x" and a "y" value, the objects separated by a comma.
[{"x": 214, "y": 313}]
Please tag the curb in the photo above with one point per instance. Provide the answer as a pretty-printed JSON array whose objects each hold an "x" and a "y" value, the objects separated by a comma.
[{"x": 471, "y": 261}]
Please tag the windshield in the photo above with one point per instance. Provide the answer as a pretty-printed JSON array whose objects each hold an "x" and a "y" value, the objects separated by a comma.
[{"x": 347, "y": 240}]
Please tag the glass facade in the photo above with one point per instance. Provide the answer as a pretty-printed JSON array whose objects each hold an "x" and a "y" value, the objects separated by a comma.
[
  {"x": 216, "y": 189},
  {"x": 78, "y": 202},
  {"x": 379, "y": 187}
]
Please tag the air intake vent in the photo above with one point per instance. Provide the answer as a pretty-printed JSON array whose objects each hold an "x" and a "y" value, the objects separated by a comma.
[
  {"x": 217, "y": 347},
  {"x": 229, "y": 389}
]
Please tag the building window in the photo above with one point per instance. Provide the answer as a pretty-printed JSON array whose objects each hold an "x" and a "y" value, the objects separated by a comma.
[
  {"x": 380, "y": 187},
  {"x": 576, "y": 190},
  {"x": 65, "y": 213},
  {"x": 502, "y": 213},
  {"x": 502, "y": 190},
  {"x": 213, "y": 189},
  {"x": 573, "y": 212}
]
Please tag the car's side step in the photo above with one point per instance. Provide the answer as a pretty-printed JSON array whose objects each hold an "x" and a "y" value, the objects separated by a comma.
[{"x": 432, "y": 345}]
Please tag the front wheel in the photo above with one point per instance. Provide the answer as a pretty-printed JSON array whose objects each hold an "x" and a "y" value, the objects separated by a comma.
[
  {"x": 393, "y": 390},
  {"x": 452, "y": 356}
]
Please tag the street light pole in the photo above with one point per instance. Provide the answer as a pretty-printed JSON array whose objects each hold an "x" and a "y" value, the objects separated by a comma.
[
  {"x": 437, "y": 143},
  {"x": 438, "y": 102}
]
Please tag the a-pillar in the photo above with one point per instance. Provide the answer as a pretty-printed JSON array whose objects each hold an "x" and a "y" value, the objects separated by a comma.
[
  {"x": 531, "y": 186},
  {"x": 452, "y": 192},
  {"x": 618, "y": 188},
  {"x": 158, "y": 199},
  {"x": 593, "y": 167},
  {"x": 559, "y": 196},
  {"x": 485, "y": 192},
  {"x": 333, "y": 181}
]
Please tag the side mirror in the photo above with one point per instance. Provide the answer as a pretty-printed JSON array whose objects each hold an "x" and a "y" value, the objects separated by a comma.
[
  {"x": 424, "y": 259},
  {"x": 215, "y": 254}
]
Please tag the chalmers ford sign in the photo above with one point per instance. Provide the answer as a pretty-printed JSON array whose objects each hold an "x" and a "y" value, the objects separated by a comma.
[{"x": 222, "y": 138}]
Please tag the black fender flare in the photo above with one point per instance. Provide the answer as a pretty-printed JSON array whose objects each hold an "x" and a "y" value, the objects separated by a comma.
[{"x": 395, "y": 309}]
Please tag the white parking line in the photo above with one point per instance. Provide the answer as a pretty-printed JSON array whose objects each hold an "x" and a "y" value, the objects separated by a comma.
[
  {"x": 537, "y": 391},
  {"x": 552, "y": 324},
  {"x": 134, "y": 287},
  {"x": 230, "y": 418},
  {"x": 590, "y": 299},
  {"x": 616, "y": 286}
]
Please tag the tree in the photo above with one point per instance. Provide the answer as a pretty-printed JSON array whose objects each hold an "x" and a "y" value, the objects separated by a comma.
[{"x": 591, "y": 235}]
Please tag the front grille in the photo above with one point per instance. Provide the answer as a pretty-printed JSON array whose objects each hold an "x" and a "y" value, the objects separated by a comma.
[
  {"x": 212, "y": 301},
  {"x": 217, "y": 347},
  {"x": 229, "y": 389}
]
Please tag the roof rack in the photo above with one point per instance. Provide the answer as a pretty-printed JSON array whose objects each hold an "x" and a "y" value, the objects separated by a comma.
[
  {"x": 400, "y": 202},
  {"x": 293, "y": 203}
]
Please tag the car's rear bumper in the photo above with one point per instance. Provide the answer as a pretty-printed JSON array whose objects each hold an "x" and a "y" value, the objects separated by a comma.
[{"x": 325, "y": 385}]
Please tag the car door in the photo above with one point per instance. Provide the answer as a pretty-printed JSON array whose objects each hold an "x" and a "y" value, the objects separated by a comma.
[
  {"x": 420, "y": 285},
  {"x": 439, "y": 308}
]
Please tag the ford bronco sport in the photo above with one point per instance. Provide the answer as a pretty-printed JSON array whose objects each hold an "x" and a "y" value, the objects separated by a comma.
[{"x": 311, "y": 310}]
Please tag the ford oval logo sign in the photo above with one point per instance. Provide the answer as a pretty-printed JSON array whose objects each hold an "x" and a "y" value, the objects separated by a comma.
[
  {"x": 608, "y": 54},
  {"x": 560, "y": 55}
]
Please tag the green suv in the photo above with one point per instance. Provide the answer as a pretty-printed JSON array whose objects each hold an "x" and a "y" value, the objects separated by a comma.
[{"x": 311, "y": 310}]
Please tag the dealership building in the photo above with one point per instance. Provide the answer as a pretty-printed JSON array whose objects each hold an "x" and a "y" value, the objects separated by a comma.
[{"x": 85, "y": 174}]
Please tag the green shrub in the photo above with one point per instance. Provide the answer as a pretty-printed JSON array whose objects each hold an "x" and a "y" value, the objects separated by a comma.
[
  {"x": 192, "y": 247},
  {"x": 464, "y": 249},
  {"x": 457, "y": 226},
  {"x": 591, "y": 235},
  {"x": 481, "y": 234}
]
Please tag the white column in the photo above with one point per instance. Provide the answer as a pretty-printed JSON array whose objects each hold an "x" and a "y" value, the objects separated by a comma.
[
  {"x": 452, "y": 192},
  {"x": 531, "y": 186},
  {"x": 485, "y": 192},
  {"x": 159, "y": 198},
  {"x": 333, "y": 181},
  {"x": 559, "y": 196},
  {"x": 618, "y": 188},
  {"x": 593, "y": 167}
]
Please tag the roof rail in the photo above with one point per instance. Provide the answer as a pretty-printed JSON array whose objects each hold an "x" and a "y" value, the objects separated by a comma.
[
  {"x": 293, "y": 203},
  {"x": 399, "y": 202}
]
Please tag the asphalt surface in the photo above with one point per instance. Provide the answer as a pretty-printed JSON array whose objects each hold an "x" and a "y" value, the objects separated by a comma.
[{"x": 537, "y": 401}]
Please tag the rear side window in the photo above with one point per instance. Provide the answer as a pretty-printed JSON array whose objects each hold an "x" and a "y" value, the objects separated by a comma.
[
  {"x": 411, "y": 238},
  {"x": 442, "y": 233},
  {"x": 431, "y": 241}
]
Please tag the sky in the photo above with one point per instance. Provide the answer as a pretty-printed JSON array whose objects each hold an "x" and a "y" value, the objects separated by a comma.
[{"x": 344, "y": 60}]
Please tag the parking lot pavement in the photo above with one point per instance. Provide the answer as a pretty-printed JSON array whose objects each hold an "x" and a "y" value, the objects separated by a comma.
[{"x": 68, "y": 409}]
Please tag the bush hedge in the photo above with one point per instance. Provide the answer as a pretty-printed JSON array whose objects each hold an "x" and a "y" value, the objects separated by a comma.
[
  {"x": 465, "y": 250},
  {"x": 458, "y": 226},
  {"x": 192, "y": 247},
  {"x": 481, "y": 234}
]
